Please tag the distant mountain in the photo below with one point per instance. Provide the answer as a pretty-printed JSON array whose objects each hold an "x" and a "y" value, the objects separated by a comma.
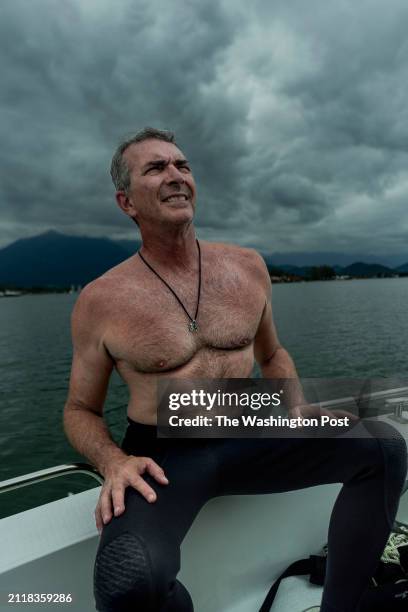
[
  {"x": 331, "y": 259},
  {"x": 303, "y": 271},
  {"x": 363, "y": 269},
  {"x": 54, "y": 259},
  {"x": 295, "y": 270}
]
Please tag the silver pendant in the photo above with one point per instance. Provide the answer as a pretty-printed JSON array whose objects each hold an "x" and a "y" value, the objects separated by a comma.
[{"x": 193, "y": 327}]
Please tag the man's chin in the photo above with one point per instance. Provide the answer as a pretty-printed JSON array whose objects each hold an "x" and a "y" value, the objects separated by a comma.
[
  {"x": 178, "y": 214},
  {"x": 176, "y": 205}
]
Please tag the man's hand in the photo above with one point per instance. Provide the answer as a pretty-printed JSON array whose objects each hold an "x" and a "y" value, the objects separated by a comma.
[
  {"x": 307, "y": 411},
  {"x": 126, "y": 473}
]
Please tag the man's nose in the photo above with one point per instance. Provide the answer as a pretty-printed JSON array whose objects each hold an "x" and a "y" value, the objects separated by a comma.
[{"x": 174, "y": 174}]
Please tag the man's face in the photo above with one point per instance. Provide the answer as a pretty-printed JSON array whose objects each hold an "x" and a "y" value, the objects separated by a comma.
[{"x": 162, "y": 187}]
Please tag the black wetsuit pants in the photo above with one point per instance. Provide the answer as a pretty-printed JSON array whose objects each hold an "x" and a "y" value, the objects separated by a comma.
[{"x": 139, "y": 553}]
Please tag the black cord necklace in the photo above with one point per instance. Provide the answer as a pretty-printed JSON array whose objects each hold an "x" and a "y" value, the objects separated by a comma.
[{"x": 192, "y": 326}]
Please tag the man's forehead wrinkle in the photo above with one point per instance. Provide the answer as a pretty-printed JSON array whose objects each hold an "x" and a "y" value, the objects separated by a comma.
[
  {"x": 160, "y": 159},
  {"x": 139, "y": 155},
  {"x": 157, "y": 158}
]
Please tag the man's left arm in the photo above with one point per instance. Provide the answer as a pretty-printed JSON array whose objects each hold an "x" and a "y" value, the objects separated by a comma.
[{"x": 274, "y": 360}]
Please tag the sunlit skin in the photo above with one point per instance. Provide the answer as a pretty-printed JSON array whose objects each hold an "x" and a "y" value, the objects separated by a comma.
[{"x": 128, "y": 320}]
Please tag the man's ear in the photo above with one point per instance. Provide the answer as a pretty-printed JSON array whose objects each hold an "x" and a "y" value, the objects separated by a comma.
[{"x": 125, "y": 204}]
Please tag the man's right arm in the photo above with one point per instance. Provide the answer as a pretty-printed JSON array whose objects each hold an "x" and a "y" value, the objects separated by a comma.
[{"x": 83, "y": 414}]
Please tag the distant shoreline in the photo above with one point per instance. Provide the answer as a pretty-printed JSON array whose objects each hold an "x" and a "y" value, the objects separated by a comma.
[
  {"x": 9, "y": 292},
  {"x": 300, "y": 279},
  {"x": 15, "y": 291}
]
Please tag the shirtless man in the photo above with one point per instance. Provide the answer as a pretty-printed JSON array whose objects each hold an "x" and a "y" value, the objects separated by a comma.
[{"x": 188, "y": 309}]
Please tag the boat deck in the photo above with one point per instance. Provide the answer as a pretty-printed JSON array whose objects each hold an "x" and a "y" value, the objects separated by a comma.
[{"x": 234, "y": 551}]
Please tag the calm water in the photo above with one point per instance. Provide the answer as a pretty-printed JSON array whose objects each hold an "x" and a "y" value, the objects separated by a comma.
[{"x": 351, "y": 329}]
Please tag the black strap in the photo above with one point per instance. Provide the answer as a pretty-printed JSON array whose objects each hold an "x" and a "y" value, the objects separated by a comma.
[
  {"x": 315, "y": 565},
  {"x": 298, "y": 568},
  {"x": 391, "y": 592}
]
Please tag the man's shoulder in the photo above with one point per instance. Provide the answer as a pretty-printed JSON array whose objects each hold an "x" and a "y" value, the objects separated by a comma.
[
  {"x": 88, "y": 307},
  {"x": 93, "y": 291},
  {"x": 96, "y": 297},
  {"x": 245, "y": 257}
]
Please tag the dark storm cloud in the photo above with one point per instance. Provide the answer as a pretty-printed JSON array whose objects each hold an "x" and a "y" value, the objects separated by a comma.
[
  {"x": 292, "y": 114},
  {"x": 79, "y": 81}
]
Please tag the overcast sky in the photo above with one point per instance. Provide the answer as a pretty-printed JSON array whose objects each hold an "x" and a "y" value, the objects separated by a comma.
[{"x": 294, "y": 115}]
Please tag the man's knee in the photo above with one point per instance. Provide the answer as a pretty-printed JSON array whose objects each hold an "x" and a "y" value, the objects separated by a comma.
[
  {"x": 124, "y": 577},
  {"x": 384, "y": 452},
  {"x": 394, "y": 449}
]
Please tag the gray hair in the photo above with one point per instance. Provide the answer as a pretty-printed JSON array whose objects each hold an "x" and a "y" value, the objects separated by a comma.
[{"x": 119, "y": 169}]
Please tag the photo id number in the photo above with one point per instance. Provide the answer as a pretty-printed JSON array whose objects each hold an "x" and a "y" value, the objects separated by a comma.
[{"x": 39, "y": 598}]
